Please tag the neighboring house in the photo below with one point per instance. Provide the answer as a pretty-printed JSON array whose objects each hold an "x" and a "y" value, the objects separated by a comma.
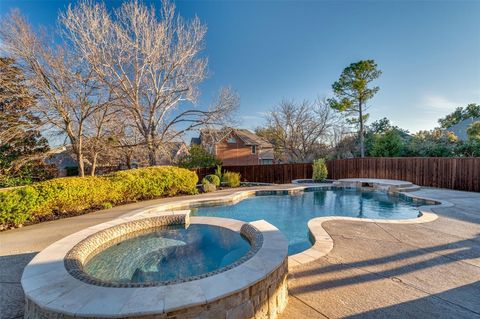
[
  {"x": 63, "y": 158},
  {"x": 236, "y": 146},
  {"x": 172, "y": 152},
  {"x": 460, "y": 129}
]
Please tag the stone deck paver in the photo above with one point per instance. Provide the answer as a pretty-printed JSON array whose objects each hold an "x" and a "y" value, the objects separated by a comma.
[{"x": 429, "y": 270}]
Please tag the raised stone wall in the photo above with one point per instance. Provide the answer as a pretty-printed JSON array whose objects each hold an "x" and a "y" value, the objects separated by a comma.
[
  {"x": 255, "y": 288},
  {"x": 263, "y": 300}
]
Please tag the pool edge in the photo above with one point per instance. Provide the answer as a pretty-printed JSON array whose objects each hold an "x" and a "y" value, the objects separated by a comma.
[{"x": 323, "y": 242}]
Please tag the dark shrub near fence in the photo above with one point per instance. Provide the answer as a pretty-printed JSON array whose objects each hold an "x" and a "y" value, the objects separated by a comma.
[
  {"x": 454, "y": 173},
  {"x": 277, "y": 173}
]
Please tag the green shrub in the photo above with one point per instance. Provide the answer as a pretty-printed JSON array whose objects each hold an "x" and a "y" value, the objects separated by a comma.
[
  {"x": 71, "y": 170},
  {"x": 198, "y": 157},
  {"x": 151, "y": 182},
  {"x": 17, "y": 205},
  {"x": 320, "y": 171},
  {"x": 213, "y": 179},
  {"x": 76, "y": 194},
  {"x": 73, "y": 195},
  {"x": 208, "y": 187},
  {"x": 218, "y": 171},
  {"x": 231, "y": 179}
]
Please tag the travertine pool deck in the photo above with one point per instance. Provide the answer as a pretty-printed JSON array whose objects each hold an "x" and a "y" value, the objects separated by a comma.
[{"x": 429, "y": 270}]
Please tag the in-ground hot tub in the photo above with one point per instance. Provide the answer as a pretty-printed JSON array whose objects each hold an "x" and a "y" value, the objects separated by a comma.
[
  {"x": 166, "y": 254},
  {"x": 168, "y": 266}
]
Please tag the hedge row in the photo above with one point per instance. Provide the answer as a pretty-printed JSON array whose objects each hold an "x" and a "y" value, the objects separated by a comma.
[{"x": 74, "y": 195}]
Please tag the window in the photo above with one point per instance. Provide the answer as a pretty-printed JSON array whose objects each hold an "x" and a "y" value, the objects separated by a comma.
[
  {"x": 254, "y": 149},
  {"x": 231, "y": 140}
]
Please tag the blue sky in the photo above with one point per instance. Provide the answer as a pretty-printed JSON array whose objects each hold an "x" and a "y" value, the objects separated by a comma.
[{"x": 429, "y": 51}]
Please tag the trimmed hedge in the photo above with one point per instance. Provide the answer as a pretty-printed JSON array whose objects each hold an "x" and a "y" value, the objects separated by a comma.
[{"x": 74, "y": 195}]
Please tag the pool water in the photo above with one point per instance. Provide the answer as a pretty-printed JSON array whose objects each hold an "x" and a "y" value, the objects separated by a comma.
[
  {"x": 172, "y": 253},
  {"x": 291, "y": 213}
]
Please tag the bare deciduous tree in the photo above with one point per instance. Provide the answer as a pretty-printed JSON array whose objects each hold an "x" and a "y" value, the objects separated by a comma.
[
  {"x": 67, "y": 89},
  {"x": 101, "y": 126},
  {"x": 299, "y": 131},
  {"x": 152, "y": 63}
]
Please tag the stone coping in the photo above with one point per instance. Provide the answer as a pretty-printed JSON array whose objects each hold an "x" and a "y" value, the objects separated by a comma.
[
  {"x": 48, "y": 285},
  {"x": 82, "y": 252},
  {"x": 322, "y": 242},
  {"x": 383, "y": 184}
]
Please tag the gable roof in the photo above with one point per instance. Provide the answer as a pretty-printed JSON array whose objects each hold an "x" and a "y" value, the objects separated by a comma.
[
  {"x": 218, "y": 135},
  {"x": 250, "y": 138},
  {"x": 460, "y": 129}
]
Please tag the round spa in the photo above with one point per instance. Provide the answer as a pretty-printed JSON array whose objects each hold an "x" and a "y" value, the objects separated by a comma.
[{"x": 161, "y": 266}]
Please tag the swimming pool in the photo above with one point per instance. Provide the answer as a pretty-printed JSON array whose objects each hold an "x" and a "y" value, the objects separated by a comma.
[{"x": 291, "y": 213}]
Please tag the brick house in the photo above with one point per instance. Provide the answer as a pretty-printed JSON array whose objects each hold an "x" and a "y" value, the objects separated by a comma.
[{"x": 236, "y": 146}]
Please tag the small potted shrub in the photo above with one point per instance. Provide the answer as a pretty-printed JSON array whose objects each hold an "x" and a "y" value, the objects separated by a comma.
[
  {"x": 213, "y": 179},
  {"x": 207, "y": 186},
  {"x": 320, "y": 171},
  {"x": 231, "y": 179}
]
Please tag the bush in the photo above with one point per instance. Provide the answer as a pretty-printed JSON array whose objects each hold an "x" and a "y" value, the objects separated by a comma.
[
  {"x": 16, "y": 206},
  {"x": 208, "y": 187},
  {"x": 64, "y": 196},
  {"x": 389, "y": 144},
  {"x": 31, "y": 172},
  {"x": 198, "y": 157},
  {"x": 231, "y": 179},
  {"x": 320, "y": 171},
  {"x": 71, "y": 170},
  {"x": 213, "y": 179},
  {"x": 151, "y": 182},
  {"x": 74, "y": 195}
]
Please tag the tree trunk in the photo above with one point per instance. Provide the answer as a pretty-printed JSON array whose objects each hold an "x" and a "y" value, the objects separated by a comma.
[
  {"x": 128, "y": 161},
  {"x": 152, "y": 153},
  {"x": 94, "y": 164},
  {"x": 362, "y": 137},
  {"x": 81, "y": 166}
]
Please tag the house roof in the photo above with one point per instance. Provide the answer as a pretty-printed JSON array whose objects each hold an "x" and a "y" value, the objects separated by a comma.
[
  {"x": 266, "y": 154},
  {"x": 195, "y": 141},
  {"x": 460, "y": 129},
  {"x": 172, "y": 149},
  {"x": 250, "y": 138}
]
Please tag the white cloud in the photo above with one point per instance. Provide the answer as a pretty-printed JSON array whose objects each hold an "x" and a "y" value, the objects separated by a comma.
[{"x": 439, "y": 102}]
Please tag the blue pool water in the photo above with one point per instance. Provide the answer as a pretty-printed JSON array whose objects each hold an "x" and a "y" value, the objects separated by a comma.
[
  {"x": 174, "y": 252},
  {"x": 291, "y": 213}
]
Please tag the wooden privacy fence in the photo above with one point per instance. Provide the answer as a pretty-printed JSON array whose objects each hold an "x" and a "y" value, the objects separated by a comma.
[
  {"x": 276, "y": 173},
  {"x": 443, "y": 172}
]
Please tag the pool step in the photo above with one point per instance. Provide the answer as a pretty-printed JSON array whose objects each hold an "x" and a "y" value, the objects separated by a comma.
[{"x": 411, "y": 188}]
